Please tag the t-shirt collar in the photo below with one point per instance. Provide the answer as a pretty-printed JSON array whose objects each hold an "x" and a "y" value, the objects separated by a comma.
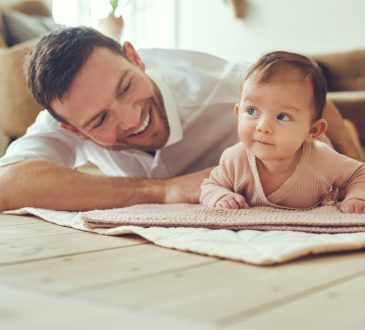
[{"x": 176, "y": 132}]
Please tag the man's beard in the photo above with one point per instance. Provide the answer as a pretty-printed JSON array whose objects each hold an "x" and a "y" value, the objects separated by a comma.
[{"x": 160, "y": 140}]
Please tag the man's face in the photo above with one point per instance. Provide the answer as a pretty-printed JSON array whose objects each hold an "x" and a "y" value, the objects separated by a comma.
[{"x": 112, "y": 102}]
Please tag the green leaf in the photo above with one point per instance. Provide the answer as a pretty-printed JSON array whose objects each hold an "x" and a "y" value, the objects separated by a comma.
[{"x": 114, "y": 5}]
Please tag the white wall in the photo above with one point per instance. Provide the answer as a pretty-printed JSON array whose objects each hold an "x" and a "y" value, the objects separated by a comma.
[{"x": 308, "y": 26}]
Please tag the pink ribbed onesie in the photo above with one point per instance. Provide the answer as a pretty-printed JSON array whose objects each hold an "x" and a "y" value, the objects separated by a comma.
[{"x": 319, "y": 169}]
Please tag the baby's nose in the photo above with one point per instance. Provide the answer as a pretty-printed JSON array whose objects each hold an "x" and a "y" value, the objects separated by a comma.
[{"x": 264, "y": 127}]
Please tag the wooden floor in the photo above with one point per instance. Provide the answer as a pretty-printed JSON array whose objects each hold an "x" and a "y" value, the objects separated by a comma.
[{"x": 53, "y": 277}]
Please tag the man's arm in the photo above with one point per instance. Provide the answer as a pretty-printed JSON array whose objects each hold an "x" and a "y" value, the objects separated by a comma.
[
  {"x": 338, "y": 132},
  {"x": 40, "y": 183}
]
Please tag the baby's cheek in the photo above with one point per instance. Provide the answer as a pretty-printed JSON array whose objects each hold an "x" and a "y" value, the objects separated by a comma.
[{"x": 245, "y": 132}]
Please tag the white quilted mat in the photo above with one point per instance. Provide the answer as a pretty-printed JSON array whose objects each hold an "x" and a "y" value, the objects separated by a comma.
[{"x": 250, "y": 246}]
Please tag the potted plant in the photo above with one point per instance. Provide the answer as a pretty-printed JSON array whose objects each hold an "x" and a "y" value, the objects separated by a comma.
[
  {"x": 240, "y": 7},
  {"x": 112, "y": 25}
]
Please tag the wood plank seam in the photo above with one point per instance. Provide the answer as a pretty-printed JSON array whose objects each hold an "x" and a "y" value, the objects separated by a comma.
[
  {"x": 75, "y": 292},
  {"x": 69, "y": 255},
  {"x": 259, "y": 310}
]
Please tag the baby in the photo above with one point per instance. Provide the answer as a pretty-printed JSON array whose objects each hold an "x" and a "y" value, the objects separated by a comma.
[{"x": 280, "y": 162}]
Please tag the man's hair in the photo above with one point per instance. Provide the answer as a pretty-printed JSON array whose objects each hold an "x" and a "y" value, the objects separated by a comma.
[
  {"x": 53, "y": 64},
  {"x": 286, "y": 64}
]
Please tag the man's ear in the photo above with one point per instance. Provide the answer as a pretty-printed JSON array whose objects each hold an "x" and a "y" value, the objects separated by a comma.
[
  {"x": 72, "y": 129},
  {"x": 318, "y": 127},
  {"x": 132, "y": 55}
]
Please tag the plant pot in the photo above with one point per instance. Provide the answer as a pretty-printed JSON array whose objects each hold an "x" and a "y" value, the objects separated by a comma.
[
  {"x": 111, "y": 26},
  {"x": 239, "y": 8}
]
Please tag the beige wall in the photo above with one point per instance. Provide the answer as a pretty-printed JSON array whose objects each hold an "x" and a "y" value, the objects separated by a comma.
[{"x": 308, "y": 26}]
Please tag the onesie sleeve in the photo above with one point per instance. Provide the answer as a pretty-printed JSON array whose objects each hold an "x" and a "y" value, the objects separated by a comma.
[
  {"x": 348, "y": 175},
  {"x": 223, "y": 178},
  {"x": 353, "y": 184}
]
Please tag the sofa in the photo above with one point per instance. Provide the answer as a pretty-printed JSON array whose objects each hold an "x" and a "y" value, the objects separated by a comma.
[
  {"x": 345, "y": 75},
  {"x": 18, "y": 108}
]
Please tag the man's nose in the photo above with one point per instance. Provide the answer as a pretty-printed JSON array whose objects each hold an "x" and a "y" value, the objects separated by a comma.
[
  {"x": 263, "y": 126},
  {"x": 129, "y": 117}
]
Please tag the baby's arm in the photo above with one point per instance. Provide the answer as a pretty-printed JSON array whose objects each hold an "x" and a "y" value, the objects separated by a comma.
[
  {"x": 219, "y": 189},
  {"x": 350, "y": 178},
  {"x": 216, "y": 187},
  {"x": 353, "y": 206},
  {"x": 232, "y": 201}
]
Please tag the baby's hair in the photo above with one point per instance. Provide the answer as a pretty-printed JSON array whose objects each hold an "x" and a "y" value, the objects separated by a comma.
[{"x": 281, "y": 63}]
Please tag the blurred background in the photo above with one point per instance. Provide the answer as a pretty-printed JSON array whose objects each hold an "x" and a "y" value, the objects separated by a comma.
[{"x": 310, "y": 26}]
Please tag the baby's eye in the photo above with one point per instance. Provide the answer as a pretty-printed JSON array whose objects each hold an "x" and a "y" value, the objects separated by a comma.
[
  {"x": 252, "y": 111},
  {"x": 283, "y": 117}
]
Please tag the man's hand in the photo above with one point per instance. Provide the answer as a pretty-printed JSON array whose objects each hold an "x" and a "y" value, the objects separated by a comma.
[
  {"x": 186, "y": 188},
  {"x": 232, "y": 201},
  {"x": 353, "y": 206}
]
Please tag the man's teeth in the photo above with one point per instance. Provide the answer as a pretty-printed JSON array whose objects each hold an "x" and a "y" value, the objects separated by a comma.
[{"x": 144, "y": 125}]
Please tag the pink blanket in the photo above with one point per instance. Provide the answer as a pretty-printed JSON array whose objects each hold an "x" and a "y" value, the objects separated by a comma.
[{"x": 326, "y": 219}]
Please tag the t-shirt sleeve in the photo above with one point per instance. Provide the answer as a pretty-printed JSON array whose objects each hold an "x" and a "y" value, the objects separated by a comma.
[{"x": 45, "y": 140}]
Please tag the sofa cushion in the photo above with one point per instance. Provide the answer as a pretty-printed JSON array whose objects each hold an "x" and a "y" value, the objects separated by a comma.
[
  {"x": 18, "y": 107},
  {"x": 344, "y": 71},
  {"x": 2, "y": 40},
  {"x": 19, "y": 27}
]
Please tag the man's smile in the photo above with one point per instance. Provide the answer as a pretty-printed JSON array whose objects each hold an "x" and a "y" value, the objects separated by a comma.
[{"x": 144, "y": 125}]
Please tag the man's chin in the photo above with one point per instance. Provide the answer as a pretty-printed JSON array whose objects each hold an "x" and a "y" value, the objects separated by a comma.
[
  {"x": 120, "y": 147},
  {"x": 158, "y": 141}
]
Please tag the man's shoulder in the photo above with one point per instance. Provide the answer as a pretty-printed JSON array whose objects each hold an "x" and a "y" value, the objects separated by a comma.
[
  {"x": 44, "y": 119},
  {"x": 191, "y": 61},
  {"x": 161, "y": 54}
]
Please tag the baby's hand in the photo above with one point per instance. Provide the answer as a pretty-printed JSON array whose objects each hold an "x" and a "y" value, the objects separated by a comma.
[
  {"x": 353, "y": 206},
  {"x": 232, "y": 201}
]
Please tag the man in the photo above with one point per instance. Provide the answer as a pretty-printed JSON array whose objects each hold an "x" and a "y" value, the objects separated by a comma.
[{"x": 153, "y": 124}]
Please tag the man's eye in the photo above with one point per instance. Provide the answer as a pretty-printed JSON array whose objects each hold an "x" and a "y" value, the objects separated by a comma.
[
  {"x": 100, "y": 121},
  {"x": 283, "y": 117},
  {"x": 252, "y": 111},
  {"x": 125, "y": 89}
]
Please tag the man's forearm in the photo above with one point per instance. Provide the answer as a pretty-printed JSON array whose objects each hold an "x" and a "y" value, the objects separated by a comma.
[
  {"x": 338, "y": 132},
  {"x": 39, "y": 183}
]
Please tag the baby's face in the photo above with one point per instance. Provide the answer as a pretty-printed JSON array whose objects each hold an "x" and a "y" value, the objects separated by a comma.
[{"x": 274, "y": 118}]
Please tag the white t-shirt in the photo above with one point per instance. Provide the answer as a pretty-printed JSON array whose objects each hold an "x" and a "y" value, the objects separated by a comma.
[{"x": 199, "y": 93}]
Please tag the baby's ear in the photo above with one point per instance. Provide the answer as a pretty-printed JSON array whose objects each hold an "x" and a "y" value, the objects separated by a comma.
[
  {"x": 236, "y": 109},
  {"x": 318, "y": 127}
]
